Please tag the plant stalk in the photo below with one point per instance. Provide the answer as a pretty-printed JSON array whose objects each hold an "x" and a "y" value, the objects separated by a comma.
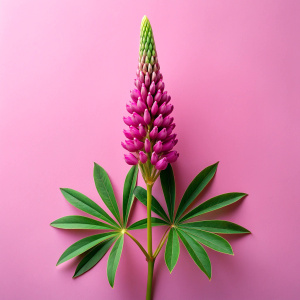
[
  {"x": 149, "y": 243},
  {"x": 149, "y": 281},
  {"x": 138, "y": 243},
  {"x": 161, "y": 243},
  {"x": 149, "y": 226}
]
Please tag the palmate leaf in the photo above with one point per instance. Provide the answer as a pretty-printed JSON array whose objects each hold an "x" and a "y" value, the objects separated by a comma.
[
  {"x": 105, "y": 190},
  {"x": 114, "y": 259},
  {"x": 168, "y": 185},
  {"x": 172, "y": 250},
  {"x": 213, "y": 204},
  {"x": 141, "y": 195},
  {"x": 216, "y": 226},
  {"x": 128, "y": 196},
  {"x": 87, "y": 205},
  {"x": 197, "y": 252},
  {"x": 93, "y": 257},
  {"x": 195, "y": 188},
  {"x": 142, "y": 224},
  {"x": 83, "y": 245},
  {"x": 80, "y": 222},
  {"x": 210, "y": 240}
]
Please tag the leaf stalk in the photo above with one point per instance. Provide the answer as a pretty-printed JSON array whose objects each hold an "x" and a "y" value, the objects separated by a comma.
[{"x": 139, "y": 245}]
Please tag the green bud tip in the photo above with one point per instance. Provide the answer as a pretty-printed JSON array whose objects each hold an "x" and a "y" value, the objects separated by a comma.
[{"x": 146, "y": 39}]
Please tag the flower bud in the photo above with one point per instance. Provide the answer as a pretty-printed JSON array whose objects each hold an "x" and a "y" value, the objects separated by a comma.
[
  {"x": 170, "y": 128},
  {"x": 144, "y": 92},
  {"x": 162, "y": 134},
  {"x": 135, "y": 132},
  {"x": 142, "y": 130},
  {"x": 164, "y": 96},
  {"x": 129, "y": 145},
  {"x": 147, "y": 117},
  {"x": 128, "y": 134},
  {"x": 153, "y": 133},
  {"x": 162, "y": 108},
  {"x": 147, "y": 80},
  {"x": 159, "y": 85},
  {"x": 169, "y": 109},
  {"x": 143, "y": 157},
  {"x": 158, "y": 121},
  {"x": 168, "y": 146},
  {"x": 154, "y": 109},
  {"x": 145, "y": 67},
  {"x": 141, "y": 76},
  {"x": 147, "y": 145},
  {"x": 170, "y": 137},
  {"x": 171, "y": 156},
  {"x": 138, "y": 144},
  {"x": 157, "y": 97},
  {"x": 154, "y": 158},
  {"x": 128, "y": 121},
  {"x": 129, "y": 108},
  {"x": 161, "y": 164},
  {"x": 137, "y": 119},
  {"x": 158, "y": 147},
  {"x": 134, "y": 107},
  {"x": 153, "y": 76},
  {"x": 152, "y": 88},
  {"x": 130, "y": 159},
  {"x": 141, "y": 105},
  {"x": 149, "y": 99},
  {"x": 157, "y": 76},
  {"x": 167, "y": 121},
  {"x": 138, "y": 84}
]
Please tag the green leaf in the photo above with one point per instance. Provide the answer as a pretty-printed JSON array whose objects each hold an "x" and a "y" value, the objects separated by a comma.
[
  {"x": 197, "y": 252},
  {"x": 87, "y": 205},
  {"x": 217, "y": 226},
  {"x": 172, "y": 250},
  {"x": 195, "y": 188},
  {"x": 213, "y": 204},
  {"x": 142, "y": 224},
  {"x": 210, "y": 240},
  {"x": 80, "y": 222},
  {"x": 114, "y": 259},
  {"x": 93, "y": 257},
  {"x": 105, "y": 190},
  {"x": 168, "y": 186},
  {"x": 129, "y": 185},
  {"x": 141, "y": 195},
  {"x": 84, "y": 245}
]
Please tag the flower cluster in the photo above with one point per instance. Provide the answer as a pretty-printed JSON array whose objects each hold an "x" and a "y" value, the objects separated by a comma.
[{"x": 150, "y": 137}]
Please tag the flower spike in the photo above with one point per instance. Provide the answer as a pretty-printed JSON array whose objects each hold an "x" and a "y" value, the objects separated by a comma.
[{"x": 150, "y": 124}]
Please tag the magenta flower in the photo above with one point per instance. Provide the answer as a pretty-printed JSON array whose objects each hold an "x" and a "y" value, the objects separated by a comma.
[{"x": 150, "y": 137}]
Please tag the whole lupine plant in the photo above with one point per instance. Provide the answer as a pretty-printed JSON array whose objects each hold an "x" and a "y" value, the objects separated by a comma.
[{"x": 150, "y": 141}]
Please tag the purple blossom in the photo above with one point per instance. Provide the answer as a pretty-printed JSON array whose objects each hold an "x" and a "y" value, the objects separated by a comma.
[
  {"x": 150, "y": 136},
  {"x": 130, "y": 159}
]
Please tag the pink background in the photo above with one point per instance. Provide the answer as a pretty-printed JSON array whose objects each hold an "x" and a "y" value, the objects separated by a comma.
[{"x": 232, "y": 68}]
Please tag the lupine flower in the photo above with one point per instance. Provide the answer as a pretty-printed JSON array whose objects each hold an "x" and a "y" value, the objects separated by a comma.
[{"x": 150, "y": 137}]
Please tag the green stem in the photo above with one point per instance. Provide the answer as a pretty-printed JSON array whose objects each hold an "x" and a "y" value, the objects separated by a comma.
[
  {"x": 161, "y": 243},
  {"x": 149, "y": 282},
  {"x": 149, "y": 227},
  {"x": 138, "y": 243},
  {"x": 149, "y": 243}
]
